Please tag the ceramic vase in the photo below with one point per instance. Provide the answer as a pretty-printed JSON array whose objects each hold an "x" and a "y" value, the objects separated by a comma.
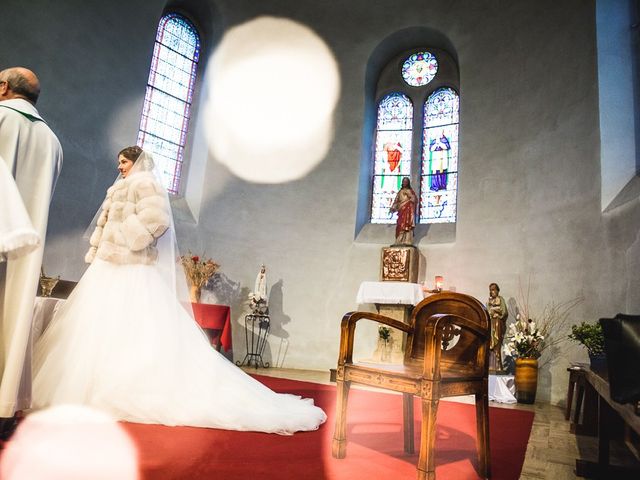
[
  {"x": 194, "y": 294},
  {"x": 526, "y": 379}
]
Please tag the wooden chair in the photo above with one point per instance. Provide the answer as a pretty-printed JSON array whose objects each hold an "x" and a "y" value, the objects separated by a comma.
[{"x": 446, "y": 354}]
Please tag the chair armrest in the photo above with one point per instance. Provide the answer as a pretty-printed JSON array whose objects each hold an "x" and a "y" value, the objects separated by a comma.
[{"x": 348, "y": 327}]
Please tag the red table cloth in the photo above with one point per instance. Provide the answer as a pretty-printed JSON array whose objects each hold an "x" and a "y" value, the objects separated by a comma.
[{"x": 215, "y": 317}]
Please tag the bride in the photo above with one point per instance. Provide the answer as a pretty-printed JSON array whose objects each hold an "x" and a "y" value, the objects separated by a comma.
[{"x": 125, "y": 344}]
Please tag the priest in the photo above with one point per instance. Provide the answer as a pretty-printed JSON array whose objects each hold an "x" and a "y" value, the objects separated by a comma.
[{"x": 33, "y": 155}]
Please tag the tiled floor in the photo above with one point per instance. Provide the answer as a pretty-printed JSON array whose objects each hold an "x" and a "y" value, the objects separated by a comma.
[{"x": 552, "y": 449}]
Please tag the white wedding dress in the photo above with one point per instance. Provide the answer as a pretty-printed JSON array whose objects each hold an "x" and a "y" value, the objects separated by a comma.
[{"x": 124, "y": 344}]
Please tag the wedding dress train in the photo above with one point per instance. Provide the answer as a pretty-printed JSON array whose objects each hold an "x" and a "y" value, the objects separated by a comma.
[{"x": 122, "y": 343}]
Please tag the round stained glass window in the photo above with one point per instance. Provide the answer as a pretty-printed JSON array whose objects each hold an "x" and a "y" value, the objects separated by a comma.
[{"x": 419, "y": 69}]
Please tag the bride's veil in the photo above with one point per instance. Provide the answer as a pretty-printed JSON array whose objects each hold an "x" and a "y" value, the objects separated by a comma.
[{"x": 168, "y": 265}]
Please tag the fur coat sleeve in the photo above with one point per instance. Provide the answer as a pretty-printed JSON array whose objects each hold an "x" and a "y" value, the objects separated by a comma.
[{"x": 145, "y": 215}]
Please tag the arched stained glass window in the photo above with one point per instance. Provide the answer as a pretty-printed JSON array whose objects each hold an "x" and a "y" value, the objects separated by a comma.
[
  {"x": 167, "y": 102},
  {"x": 439, "y": 180},
  {"x": 392, "y": 158}
]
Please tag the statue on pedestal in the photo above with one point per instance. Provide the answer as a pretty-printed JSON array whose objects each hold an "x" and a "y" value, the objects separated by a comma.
[
  {"x": 498, "y": 314},
  {"x": 405, "y": 204},
  {"x": 258, "y": 300}
]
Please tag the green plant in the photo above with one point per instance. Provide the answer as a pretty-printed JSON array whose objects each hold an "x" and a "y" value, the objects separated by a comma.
[
  {"x": 384, "y": 333},
  {"x": 590, "y": 335}
]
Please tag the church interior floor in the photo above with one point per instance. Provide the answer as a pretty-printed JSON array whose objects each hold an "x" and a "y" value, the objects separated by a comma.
[{"x": 552, "y": 448}]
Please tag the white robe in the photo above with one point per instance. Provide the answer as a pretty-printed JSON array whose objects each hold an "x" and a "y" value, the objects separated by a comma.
[
  {"x": 17, "y": 235},
  {"x": 33, "y": 155}
]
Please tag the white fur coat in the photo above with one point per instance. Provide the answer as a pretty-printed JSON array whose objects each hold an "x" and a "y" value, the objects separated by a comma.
[{"x": 134, "y": 214}]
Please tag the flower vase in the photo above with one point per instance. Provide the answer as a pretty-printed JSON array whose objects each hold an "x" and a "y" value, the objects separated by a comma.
[
  {"x": 194, "y": 293},
  {"x": 526, "y": 379},
  {"x": 386, "y": 351},
  {"x": 598, "y": 363}
]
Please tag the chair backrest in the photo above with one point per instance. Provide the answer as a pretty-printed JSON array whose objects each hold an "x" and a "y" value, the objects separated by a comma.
[
  {"x": 622, "y": 347},
  {"x": 467, "y": 349}
]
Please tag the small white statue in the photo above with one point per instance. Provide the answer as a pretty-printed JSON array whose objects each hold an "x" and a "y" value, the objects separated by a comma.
[{"x": 258, "y": 300}]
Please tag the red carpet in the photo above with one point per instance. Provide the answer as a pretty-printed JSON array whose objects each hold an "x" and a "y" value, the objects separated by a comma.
[{"x": 374, "y": 451}]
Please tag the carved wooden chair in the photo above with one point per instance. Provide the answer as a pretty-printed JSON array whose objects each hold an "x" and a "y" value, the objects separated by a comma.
[{"x": 446, "y": 354}]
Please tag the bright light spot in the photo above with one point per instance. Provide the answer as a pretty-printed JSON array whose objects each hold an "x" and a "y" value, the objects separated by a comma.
[
  {"x": 273, "y": 85},
  {"x": 69, "y": 442}
]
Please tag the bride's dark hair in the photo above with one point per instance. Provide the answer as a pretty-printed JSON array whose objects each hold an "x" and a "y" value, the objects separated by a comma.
[{"x": 131, "y": 153}]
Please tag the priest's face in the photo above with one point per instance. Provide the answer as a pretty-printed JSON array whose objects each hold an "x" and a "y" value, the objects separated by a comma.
[
  {"x": 124, "y": 165},
  {"x": 4, "y": 90}
]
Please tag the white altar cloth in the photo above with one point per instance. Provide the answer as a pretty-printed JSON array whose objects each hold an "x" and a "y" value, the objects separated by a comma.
[
  {"x": 397, "y": 293},
  {"x": 44, "y": 309},
  {"x": 502, "y": 388}
]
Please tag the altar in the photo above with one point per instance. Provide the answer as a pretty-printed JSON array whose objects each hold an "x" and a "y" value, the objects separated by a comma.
[
  {"x": 390, "y": 293},
  {"x": 44, "y": 308},
  {"x": 215, "y": 320},
  {"x": 395, "y": 300}
]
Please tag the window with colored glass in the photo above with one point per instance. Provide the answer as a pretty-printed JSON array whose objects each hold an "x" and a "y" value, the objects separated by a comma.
[
  {"x": 418, "y": 87},
  {"x": 169, "y": 95},
  {"x": 439, "y": 179},
  {"x": 392, "y": 154}
]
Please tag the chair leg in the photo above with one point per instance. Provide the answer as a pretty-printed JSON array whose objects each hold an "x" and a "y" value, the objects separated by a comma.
[
  {"x": 426, "y": 460},
  {"x": 482, "y": 442},
  {"x": 339, "y": 444},
  {"x": 408, "y": 419}
]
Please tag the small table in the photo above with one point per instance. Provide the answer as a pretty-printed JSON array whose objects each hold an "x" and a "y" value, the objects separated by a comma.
[
  {"x": 217, "y": 320},
  {"x": 256, "y": 331},
  {"x": 583, "y": 421},
  {"x": 607, "y": 410}
]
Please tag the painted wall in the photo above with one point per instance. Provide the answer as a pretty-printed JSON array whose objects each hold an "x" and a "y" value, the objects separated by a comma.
[{"x": 530, "y": 180}]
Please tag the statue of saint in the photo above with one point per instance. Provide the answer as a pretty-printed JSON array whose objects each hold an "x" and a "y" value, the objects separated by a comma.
[
  {"x": 258, "y": 298},
  {"x": 405, "y": 204},
  {"x": 498, "y": 314}
]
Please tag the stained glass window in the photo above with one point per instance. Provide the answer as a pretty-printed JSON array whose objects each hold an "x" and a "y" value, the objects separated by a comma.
[
  {"x": 167, "y": 102},
  {"x": 419, "y": 69},
  {"x": 392, "y": 159},
  {"x": 439, "y": 180}
]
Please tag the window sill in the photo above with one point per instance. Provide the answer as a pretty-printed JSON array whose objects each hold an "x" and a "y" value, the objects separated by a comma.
[{"x": 424, "y": 234}]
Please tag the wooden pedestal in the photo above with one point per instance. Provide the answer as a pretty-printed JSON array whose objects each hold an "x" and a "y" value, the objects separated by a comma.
[{"x": 399, "y": 263}]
